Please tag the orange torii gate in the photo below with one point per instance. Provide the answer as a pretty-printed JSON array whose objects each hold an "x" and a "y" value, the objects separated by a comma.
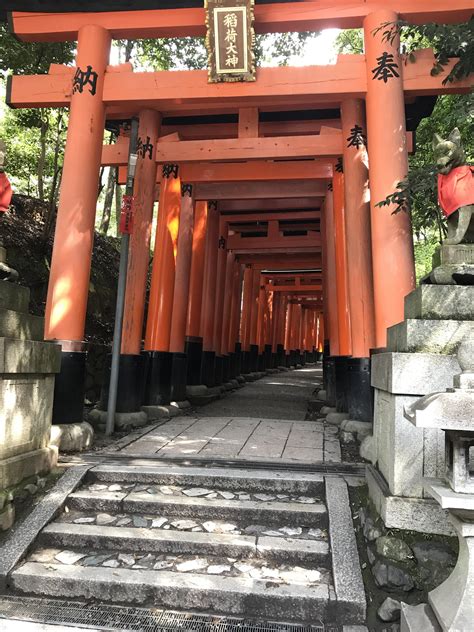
[{"x": 363, "y": 293}]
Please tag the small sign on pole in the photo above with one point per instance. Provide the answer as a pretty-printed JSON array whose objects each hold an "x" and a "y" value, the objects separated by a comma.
[
  {"x": 230, "y": 40},
  {"x": 126, "y": 215}
]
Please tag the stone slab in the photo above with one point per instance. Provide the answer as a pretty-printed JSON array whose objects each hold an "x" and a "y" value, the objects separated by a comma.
[
  {"x": 412, "y": 514},
  {"x": 292, "y": 551},
  {"x": 403, "y": 452},
  {"x": 14, "y": 297},
  {"x": 18, "y": 325},
  {"x": 413, "y": 373},
  {"x": 347, "y": 576},
  {"x": 227, "y": 595},
  {"x": 460, "y": 253},
  {"x": 428, "y": 336},
  {"x": 446, "y": 497},
  {"x": 219, "y": 508},
  {"x": 62, "y": 534},
  {"x": 28, "y": 356},
  {"x": 275, "y": 481},
  {"x": 419, "y": 618},
  {"x": 445, "y": 302},
  {"x": 23, "y": 536},
  {"x": 25, "y": 415},
  {"x": 15, "y": 469}
]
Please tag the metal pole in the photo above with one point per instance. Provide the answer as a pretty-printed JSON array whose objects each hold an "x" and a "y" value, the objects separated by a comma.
[{"x": 122, "y": 282}]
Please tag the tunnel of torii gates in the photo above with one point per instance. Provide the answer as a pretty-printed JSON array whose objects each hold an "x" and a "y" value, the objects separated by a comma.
[{"x": 269, "y": 245}]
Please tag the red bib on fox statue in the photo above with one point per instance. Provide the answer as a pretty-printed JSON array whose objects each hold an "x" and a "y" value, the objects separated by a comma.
[
  {"x": 456, "y": 189},
  {"x": 5, "y": 193}
]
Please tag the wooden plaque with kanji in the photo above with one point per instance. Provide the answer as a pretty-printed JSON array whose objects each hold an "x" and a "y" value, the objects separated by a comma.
[{"x": 230, "y": 40}]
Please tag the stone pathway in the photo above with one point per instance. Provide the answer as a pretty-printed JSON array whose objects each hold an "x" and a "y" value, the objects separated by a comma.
[{"x": 215, "y": 432}]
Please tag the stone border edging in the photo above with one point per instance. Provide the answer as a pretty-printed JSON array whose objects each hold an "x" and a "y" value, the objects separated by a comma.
[
  {"x": 347, "y": 575},
  {"x": 17, "y": 544}
]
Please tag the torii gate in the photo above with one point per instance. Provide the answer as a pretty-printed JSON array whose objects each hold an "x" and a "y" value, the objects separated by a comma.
[{"x": 378, "y": 245}]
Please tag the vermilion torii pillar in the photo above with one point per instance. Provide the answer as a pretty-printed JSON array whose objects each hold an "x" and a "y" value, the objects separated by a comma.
[
  {"x": 359, "y": 254},
  {"x": 246, "y": 318},
  {"x": 209, "y": 297},
  {"x": 227, "y": 314},
  {"x": 219, "y": 298},
  {"x": 193, "y": 326},
  {"x": 68, "y": 288},
  {"x": 253, "y": 336},
  {"x": 343, "y": 314},
  {"x": 233, "y": 345},
  {"x": 131, "y": 375},
  {"x": 180, "y": 296},
  {"x": 160, "y": 308},
  {"x": 392, "y": 242}
]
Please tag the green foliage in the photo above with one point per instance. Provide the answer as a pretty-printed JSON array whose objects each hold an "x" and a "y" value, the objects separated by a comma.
[
  {"x": 418, "y": 191},
  {"x": 350, "y": 42},
  {"x": 31, "y": 58},
  {"x": 424, "y": 250},
  {"x": 447, "y": 40}
]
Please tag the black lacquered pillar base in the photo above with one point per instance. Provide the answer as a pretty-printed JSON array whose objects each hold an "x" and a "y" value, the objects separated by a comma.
[
  {"x": 280, "y": 352},
  {"x": 226, "y": 369},
  {"x": 208, "y": 365},
  {"x": 69, "y": 388},
  {"x": 360, "y": 395},
  {"x": 193, "y": 349},
  {"x": 219, "y": 370},
  {"x": 340, "y": 373},
  {"x": 329, "y": 372},
  {"x": 131, "y": 383},
  {"x": 178, "y": 377},
  {"x": 268, "y": 356},
  {"x": 245, "y": 362},
  {"x": 261, "y": 362},
  {"x": 253, "y": 358},
  {"x": 158, "y": 378},
  {"x": 238, "y": 359}
]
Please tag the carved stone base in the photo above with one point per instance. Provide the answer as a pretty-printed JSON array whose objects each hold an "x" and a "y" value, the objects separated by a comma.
[{"x": 453, "y": 265}]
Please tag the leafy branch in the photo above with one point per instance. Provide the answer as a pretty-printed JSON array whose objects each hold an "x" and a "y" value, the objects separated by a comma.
[
  {"x": 447, "y": 40},
  {"x": 418, "y": 189}
]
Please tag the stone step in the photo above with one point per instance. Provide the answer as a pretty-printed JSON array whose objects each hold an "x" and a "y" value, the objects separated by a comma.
[
  {"x": 14, "y": 297},
  {"x": 428, "y": 336},
  {"x": 187, "y": 591},
  {"x": 289, "y": 513},
  {"x": 147, "y": 540},
  {"x": 231, "y": 479},
  {"x": 19, "y": 325}
]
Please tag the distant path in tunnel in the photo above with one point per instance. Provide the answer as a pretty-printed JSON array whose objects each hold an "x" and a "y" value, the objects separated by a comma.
[{"x": 279, "y": 396}]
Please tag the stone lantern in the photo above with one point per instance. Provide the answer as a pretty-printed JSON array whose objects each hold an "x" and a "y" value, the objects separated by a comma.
[{"x": 451, "y": 603}]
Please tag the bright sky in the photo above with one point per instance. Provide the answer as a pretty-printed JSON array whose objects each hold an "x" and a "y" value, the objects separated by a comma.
[{"x": 319, "y": 50}]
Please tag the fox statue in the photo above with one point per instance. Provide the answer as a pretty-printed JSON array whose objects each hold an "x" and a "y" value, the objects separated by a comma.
[{"x": 455, "y": 188}]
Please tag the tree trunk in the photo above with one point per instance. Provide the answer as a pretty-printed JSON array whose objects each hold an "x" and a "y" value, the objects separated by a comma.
[
  {"x": 42, "y": 157},
  {"x": 109, "y": 196}
]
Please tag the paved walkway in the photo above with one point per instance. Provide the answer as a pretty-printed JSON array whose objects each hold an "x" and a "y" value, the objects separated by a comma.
[{"x": 263, "y": 421}]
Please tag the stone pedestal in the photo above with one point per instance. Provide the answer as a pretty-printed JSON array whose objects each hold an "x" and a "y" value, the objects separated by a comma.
[
  {"x": 419, "y": 360},
  {"x": 452, "y": 265},
  {"x": 27, "y": 369}
]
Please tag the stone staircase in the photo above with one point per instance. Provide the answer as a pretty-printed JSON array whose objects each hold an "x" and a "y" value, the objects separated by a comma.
[{"x": 254, "y": 543}]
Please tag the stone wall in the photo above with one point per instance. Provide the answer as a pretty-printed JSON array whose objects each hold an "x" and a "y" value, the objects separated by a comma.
[{"x": 27, "y": 369}]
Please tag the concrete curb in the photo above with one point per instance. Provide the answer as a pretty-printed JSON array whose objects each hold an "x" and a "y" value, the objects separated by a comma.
[{"x": 23, "y": 536}]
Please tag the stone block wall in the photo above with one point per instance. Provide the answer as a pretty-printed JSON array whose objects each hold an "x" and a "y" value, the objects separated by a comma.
[{"x": 27, "y": 369}]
